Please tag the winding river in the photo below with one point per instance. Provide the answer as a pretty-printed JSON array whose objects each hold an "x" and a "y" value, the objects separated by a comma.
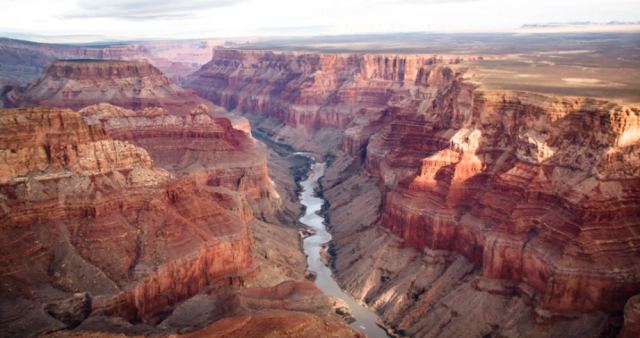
[{"x": 365, "y": 319}]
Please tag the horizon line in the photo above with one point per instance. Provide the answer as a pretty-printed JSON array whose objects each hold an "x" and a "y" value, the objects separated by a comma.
[{"x": 539, "y": 28}]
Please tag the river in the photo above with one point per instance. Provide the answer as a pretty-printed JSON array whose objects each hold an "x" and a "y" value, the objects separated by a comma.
[{"x": 365, "y": 319}]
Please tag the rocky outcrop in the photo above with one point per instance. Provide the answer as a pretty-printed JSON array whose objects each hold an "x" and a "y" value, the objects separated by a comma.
[
  {"x": 298, "y": 296},
  {"x": 515, "y": 188},
  {"x": 541, "y": 192},
  {"x": 181, "y": 131},
  {"x": 631, "y": 318},
  {"x": 276, "y": 324},
  {"x": 71, "y": 311},
  {"x": 289, "y": 309},
  {"x": 208, "y": 148},
  {"x": 78, "y": 83},
  {"x": 82, "y": 212},
  {"x": 221, "y": 263}
]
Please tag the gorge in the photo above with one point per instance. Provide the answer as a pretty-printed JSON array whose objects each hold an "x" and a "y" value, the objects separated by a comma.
[
  {"x": 363, "y": 318},
  {"x": 134, "y": 205},
  {"x": 477, "y": 201}
]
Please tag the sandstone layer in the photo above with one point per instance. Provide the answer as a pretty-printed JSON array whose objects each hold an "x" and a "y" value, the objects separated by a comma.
[
  {"x": 83, "y": 212},
  {"x": 181, "y": 131},
  {"x": 206, "y": 147},
  {"x": 532, "y": 198},
  {"x": 310, "y": 90}
]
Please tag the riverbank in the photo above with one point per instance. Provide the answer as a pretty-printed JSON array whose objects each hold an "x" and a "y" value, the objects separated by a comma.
[
  {"x": 282, "y": 156},
  {"x": 365, "y": 320}
]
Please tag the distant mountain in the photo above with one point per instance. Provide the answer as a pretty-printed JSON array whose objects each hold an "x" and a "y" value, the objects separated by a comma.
[
  {"x": 580, "y": 23},
  {"x": 22, "y": 61}
]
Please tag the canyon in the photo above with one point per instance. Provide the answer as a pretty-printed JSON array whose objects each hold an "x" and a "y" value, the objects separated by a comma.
[
  {"x": 129, "y": 203},
  {"x": 468, "y": 203},
  {"x": 157, "y": 189}
]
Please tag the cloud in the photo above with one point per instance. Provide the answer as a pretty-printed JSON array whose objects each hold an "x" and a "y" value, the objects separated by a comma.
[
  {"x": 310, "y": 29},
  {"x": 422, "y": 2},
  {"x": 143, "y": 9}
]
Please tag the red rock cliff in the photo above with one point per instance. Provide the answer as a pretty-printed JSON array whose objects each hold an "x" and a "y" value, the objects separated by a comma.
[
  {"x": 181, "y": 131},
  {"x": 539, "y": 190},
  {"x": 82, "y": 212},
  {"x": 206, "y": 147},
  {"x": 309, "y": 90}
]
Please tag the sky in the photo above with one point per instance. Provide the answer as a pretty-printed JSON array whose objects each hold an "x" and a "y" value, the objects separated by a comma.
[{"x": 67, "y": 20}]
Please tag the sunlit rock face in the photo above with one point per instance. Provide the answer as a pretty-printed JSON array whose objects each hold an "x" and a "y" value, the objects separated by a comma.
[
  {"x": 535, "y": 189},
  {"x": 541, "y": 192}
]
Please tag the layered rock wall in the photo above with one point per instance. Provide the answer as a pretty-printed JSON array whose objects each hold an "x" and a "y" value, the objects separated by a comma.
[
  {"x": 540, "y": 191},
  {"x": 84, "y": 212},
  {"x": 182, "y": 132},
  {"x": 307, "y": 90},
  {"x": 76, "y": 202},
  {"x": 78, "y": 83},
  {"x": 519, "y": 191}
]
